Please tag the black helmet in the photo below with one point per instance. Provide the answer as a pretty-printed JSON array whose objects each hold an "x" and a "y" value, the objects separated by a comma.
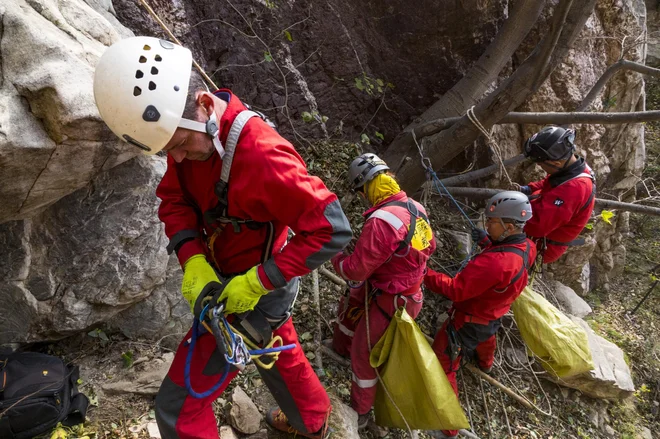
[{"x": 551, "y": 143}]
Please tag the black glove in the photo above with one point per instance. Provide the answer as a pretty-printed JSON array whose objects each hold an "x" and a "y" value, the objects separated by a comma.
[{"x": 479, "y": 236}]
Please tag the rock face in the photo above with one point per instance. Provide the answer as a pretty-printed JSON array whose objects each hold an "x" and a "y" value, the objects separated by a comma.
[
  {"x": 343, "y": 420},
  {"x": 611, "y": 378},
  {"x": 94, "y": 254},
  {"x": 53, "y": 141},
  {"x": 244, "y": 414},
  {"x": 570, "y": 302}
]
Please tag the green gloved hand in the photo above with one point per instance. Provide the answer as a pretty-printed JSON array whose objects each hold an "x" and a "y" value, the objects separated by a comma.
[
  {"x": 197, "y": 273},
  {"x": 243, "y": 292}
]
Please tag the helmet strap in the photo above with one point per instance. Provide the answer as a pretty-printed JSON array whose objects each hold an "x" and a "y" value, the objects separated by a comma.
[{"x": 210, "y": 127}]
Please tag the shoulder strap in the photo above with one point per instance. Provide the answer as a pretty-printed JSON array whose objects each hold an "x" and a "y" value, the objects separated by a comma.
[
  {"x": 524, "y": 254},
  {"x": 230, "y": 149},
  {"x": 409, "y": 205}
]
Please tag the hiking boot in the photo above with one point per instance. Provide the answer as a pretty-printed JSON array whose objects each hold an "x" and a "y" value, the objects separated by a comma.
[
  {"x": 278, "y": 420},
  {"x": 363, "y": 421}
]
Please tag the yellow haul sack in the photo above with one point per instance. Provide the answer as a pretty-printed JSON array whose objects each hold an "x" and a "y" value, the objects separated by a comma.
[
  {"x": 560, "y": 344},
  {"x": 415, "y": 380}
]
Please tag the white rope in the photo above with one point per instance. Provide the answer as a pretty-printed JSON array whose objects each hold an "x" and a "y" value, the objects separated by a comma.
[
  {"x": 366, "y": 315},
  {"x": 493, "y": 146}
]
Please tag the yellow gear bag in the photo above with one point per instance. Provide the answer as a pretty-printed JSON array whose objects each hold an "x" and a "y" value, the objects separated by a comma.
[
  {"x": 414, "y": 378},
  {"x": 560, "y": 344}
]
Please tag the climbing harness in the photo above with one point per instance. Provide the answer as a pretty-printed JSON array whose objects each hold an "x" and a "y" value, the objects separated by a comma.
[{"x": 236, "y": 349}]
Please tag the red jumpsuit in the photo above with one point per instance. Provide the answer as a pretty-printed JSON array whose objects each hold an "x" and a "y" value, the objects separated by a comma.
[
  {"x": 562, "y": 204},
  {"x": 393, "y": 276},
  {"x": 482, "y": 293},
  {"x": 268, "y": 184}
]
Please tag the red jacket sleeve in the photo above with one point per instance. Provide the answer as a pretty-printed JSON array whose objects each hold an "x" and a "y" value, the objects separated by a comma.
[
  {"x": 536, "y": 186},
  {"x": 288, "y": 194},
  {"x": 474, "y": 280},
  {"x": 376, "y": 245},
  {"x": 548, "y": 216},
  {"x": 182, "y": 224}
]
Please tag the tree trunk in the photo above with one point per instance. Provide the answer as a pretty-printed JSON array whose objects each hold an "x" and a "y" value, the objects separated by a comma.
[
  {"x": 476, "y": 81},
  {"x": 568, "y": 21}
]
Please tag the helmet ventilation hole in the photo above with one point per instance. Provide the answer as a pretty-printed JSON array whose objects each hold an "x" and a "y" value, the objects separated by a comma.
[
  {"x": 139, "y": 74},
  {"x": 152, "y": 85},
  {"x": 143, "y": 59},
  {"x": 158, "y": 58},
  {"x": 137, "y": 91},
  {"x": 146, "y": 47},
  {"x": 154, "y": 71}
]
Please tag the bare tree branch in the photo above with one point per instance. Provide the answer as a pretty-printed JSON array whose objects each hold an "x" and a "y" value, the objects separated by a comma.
[
  {"x": 481, "y": 193},
  {"x": 438, "y": 125},
  {"x": 611, "y": 71}
]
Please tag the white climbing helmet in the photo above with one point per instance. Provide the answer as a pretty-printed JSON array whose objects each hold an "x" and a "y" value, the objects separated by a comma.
[
  {"x": 511, "y": 205},
  {"x": 364, "y": 168},
  {"x": 140, "y": 88}
]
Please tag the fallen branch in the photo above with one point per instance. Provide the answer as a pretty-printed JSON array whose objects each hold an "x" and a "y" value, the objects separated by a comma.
[
  {"x": 345, "y": 362},
  {"x": 318, "y": 334},
  {"x": 480, "y": 173},
  {"x": 332, "y": 277},
  {"x": 481, "y": 193},
  {"x": 494, "y": 382},
  {"x": 555, "y": 118}
]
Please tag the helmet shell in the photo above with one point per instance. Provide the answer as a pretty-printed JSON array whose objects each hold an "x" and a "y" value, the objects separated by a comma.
[
  {"x": 551, "y": 143},
  {"x": 509, "y": 205},
  {"x": 140, "y": 88},
  {"x": 364, "y": 168}
]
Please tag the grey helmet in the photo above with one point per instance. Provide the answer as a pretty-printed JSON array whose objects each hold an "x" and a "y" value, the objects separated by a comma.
[
  {"x": 511, "y": 205},
  {"x": 364, "y": 168}
]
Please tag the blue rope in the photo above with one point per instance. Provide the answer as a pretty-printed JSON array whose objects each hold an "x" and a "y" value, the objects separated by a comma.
[
  {"x": 436, "y": 180},
  {"x": 186, "y": 369},
  {"x": 229, "y": 360}
]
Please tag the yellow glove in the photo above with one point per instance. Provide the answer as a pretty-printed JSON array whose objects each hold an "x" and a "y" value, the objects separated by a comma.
[
  {"x": 243, "y": 292},
  {"x": 197, "y": 273}
]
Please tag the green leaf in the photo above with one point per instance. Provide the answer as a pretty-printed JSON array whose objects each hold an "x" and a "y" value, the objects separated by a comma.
[
  {"x": 102, "y": 335},
  {"x": 128, "y": 359},
  {"x": 94, "y": 333},
  {"x": 288, "y": 36},
  {"x": 358, "y": 84},
  {"x": 113, "y": 425},
  {"x": 306, "y": 336},
  {"x": 379, "y": 135},
  {"x": 589, "y": 226},
  {"x": 307, "y": 116},
  {"x": 606, "y": 215},
  {"x": 79, "y": 381},
  {"x": 324, "y": 119},
  {"x": 268, "y": 57},
  {"x": 380, "y": 82},
  {"x": 364, "y": 138},
  {"x": 152, "y": 414},
  {"x": 653, "y": 277},
  {"x": 310, "y": 355}
]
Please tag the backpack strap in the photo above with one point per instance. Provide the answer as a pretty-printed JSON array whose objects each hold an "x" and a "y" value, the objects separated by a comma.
[
  {"x": 397, "y": 223},
  {"x": 524, "y": 254}
]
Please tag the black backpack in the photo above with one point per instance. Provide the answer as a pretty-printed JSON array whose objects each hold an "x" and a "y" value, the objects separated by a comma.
[{"x": 36, "y": 392}]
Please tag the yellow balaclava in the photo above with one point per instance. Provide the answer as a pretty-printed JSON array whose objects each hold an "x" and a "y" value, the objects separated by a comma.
[{"x": 381, "y": 187}]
